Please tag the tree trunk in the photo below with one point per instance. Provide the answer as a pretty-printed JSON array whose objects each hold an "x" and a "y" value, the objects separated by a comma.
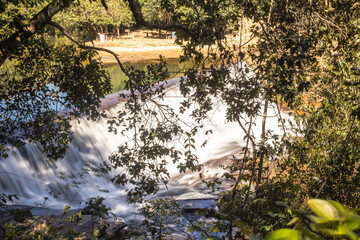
[{"x": 118, "y": 30}]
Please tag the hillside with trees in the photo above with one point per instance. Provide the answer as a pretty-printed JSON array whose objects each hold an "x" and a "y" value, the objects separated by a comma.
[{"x": 305, "y": 59}]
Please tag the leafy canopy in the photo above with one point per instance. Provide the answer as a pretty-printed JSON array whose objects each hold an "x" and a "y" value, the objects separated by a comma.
[{"x": 43, "y": 87}]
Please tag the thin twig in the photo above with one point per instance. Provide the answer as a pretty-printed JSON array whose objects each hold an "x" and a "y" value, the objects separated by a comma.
[{"x": 245, "y": 157}]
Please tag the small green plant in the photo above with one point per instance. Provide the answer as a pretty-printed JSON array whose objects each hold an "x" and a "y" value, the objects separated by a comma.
[
  {"x": 96, "y": 208},
  {"x": 329, "y": 219},
  {"x": 158, "y": 214},
  {"x": 50, "y": 227}
]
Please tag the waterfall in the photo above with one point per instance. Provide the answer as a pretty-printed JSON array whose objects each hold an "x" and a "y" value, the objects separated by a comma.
[{"x": 27, "y": 173}]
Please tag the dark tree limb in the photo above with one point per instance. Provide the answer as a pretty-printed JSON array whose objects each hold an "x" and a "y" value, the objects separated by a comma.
[{"x": 11, "y": 44}]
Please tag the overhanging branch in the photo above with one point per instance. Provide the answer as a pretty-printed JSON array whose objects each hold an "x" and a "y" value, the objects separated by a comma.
[
  {"x": 61, "y": 29},
  {"x": 132, "y": 86},
  {"x": 11, "y": 44}
]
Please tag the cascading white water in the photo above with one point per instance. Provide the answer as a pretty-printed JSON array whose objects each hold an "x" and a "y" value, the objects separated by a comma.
[{"x": 27, "y": 173}]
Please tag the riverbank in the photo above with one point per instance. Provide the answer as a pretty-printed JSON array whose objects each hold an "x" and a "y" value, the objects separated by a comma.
[{"x": 137, "y": 47}]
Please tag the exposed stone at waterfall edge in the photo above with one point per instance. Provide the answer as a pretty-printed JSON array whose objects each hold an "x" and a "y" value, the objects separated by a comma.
[{"x": 114, "y": 229}]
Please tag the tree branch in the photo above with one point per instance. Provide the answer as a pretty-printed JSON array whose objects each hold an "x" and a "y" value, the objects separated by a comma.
[
  {"x": 263, "y": 140},
  {"x": 11, "y": 44},
  {"x": 61, "y": 29},
  {"x": 140, "y": 21}
]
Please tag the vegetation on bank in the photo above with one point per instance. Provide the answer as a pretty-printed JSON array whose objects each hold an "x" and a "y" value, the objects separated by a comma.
[{"x": 299, "y": 48}]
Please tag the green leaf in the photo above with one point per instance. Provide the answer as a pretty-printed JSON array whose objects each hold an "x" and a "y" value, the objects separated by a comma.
[
  {"x": 293, "y": 221},
  {"x": 267, "y": 227},
  {"x": 352, "y": 235},
  {"x": 340, "y": 208},
  {"x": 281, "y": 204},
  {"x": 319, "y": 220},
  {"x": 323, "y": 209},
  {"x": 286, "y": 234},
  {"x": 331, "y": 232},
  {"x": 67, "y": 208},
  {"x": 258, "y": 200},
  {"x": 352, "y": 222}
]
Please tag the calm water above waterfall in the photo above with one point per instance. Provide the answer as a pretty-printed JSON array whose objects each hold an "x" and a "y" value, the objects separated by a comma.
[
  {"x": 28, "y": 174},
  {"x": 118, "y": 77}
]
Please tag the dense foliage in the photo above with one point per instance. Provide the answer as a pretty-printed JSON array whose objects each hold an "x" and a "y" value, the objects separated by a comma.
[
  {"x": 329, "y": 219},
  {"x": 41, "y": 83},
  {"x": 86, "y": 19}
]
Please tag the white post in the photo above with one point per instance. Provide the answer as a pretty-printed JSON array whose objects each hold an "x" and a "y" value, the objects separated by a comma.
[{"x": 102, "y": 37}]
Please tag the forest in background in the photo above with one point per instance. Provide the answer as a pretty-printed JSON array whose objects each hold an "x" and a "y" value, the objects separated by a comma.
[{"x": 304, "y": 53}]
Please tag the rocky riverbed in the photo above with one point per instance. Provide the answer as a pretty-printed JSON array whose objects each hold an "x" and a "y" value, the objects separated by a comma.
[{"x": 21, "y": 220}]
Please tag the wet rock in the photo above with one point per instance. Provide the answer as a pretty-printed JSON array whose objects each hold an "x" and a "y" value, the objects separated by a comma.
[
  {"x": 103, "y": 229},
  {"x": 207, "y": 207},
  {"x": 70, "y": 225},
  {"x": 116, "y": 231},
  {"x": 20, "y": 215}
]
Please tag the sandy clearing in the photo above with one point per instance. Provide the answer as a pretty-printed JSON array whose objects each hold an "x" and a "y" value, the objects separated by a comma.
[
  {"x": 137, "y": 47},
  {"x": 141, "y": 54}
]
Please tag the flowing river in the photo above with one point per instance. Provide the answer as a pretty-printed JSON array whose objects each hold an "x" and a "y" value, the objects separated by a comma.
[{"x": 27, "y": 173}]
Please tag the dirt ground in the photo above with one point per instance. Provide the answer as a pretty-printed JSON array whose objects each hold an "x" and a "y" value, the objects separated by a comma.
[
  {"x": 138, "y": 47},
  {"x": 142, "y": 45}
]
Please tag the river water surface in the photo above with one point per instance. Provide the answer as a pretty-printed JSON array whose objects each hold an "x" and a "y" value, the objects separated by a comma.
[
  {"x": 27, "y": 173},
  {"x": 118, "y": 78}
]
